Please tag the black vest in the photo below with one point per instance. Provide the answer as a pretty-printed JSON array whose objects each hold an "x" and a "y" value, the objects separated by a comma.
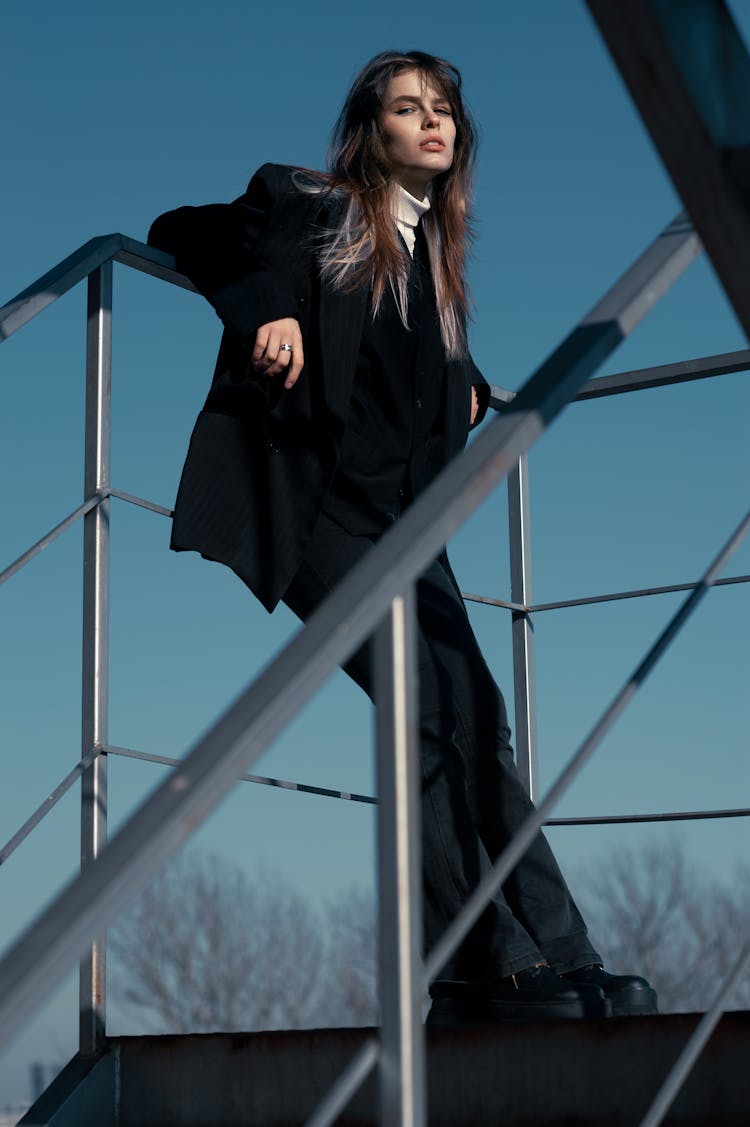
[{"x": 394, "y": 407}]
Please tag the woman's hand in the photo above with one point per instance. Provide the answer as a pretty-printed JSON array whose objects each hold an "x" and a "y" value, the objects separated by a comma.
[
  {"x": 270, "y": 359},
  {"x": 474, "y": 405}
]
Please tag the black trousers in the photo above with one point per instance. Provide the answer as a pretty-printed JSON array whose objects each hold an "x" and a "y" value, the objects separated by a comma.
[{"x": 472, "y": 798}]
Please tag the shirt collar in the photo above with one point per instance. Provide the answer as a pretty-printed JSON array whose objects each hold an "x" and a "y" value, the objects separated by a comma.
[{"x": 407, "y": 208}]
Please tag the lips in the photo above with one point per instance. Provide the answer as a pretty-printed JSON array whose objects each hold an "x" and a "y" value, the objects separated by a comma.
[{"x": 433, "y": 145}]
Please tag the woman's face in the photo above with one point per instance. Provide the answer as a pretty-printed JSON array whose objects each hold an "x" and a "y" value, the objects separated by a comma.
[{"x": 418, "y": 130}]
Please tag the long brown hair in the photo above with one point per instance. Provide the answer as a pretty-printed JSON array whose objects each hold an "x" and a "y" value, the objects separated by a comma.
[{"x": 365, "y": 249}]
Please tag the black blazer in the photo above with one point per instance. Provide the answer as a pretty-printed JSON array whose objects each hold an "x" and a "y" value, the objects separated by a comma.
[{"x": 261, "y": 457}]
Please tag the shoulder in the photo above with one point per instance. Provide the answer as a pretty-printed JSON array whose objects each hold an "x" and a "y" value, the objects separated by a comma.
[
  {"x": 282, "y": 180},
  {"x": 285, "y": 188}
]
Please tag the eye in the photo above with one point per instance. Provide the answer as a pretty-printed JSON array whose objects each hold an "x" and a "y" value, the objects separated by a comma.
[
  {"x": 405, "y": 110},
  {"x": 446, "y": 110}
]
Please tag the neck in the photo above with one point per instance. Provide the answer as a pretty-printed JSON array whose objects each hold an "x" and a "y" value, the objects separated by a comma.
[{"x": 415, "y": 185}]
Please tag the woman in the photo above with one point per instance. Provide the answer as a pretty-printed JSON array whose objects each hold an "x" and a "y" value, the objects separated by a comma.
[{"x": 343, "y": 386}]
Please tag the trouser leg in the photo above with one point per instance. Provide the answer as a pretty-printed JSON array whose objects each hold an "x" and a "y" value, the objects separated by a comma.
[
  {"x": 472, "y": 799},
  {"x": 535, "y": 892}
]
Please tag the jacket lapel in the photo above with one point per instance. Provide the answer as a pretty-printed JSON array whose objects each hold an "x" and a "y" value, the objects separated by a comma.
[{"x": 341, "y": 320}]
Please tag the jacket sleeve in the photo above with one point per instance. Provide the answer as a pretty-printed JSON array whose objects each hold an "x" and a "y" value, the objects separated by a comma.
[
  {"x": 483, "y": 390},
  {"x": 236, "y": 254}
]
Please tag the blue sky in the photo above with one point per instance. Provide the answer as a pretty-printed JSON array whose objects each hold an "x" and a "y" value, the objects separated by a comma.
[{"x": 116, "y": 114}]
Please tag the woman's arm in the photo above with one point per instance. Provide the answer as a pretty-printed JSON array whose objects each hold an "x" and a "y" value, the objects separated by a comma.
[
  {"x": 240, "y": 256},
  {"x": 480, "y": 394}
]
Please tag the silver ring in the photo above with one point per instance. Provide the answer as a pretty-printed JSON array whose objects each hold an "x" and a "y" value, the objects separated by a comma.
[{"x": 285, "y": 348}]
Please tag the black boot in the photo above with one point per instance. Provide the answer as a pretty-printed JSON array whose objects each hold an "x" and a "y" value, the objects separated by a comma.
[
  {"x": 533, "y": 994},
  {"x": 629, "y": 993}
]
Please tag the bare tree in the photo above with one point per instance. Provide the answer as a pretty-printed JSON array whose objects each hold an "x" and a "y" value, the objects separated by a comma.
[
  {"x": 205, "y": 948},
  {"x": 652, "y": 911},
  {"x": 351, "y": 971}
]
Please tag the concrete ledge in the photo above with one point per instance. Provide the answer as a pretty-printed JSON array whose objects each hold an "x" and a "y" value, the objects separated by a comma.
[{"x": 573, "y": 1073}]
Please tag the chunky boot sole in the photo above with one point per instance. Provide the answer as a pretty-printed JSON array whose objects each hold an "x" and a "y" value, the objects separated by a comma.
[
  {"x": 450, "y": 1012},
  {"x": 640, "y": 1004},
  {"x": 630, "y": 995}
]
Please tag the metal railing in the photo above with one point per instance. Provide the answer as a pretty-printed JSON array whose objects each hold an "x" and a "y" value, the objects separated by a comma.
[{"x": 376, "y": 597}]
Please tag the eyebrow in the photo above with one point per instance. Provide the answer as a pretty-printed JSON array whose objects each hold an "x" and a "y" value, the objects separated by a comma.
[{"x": 443, "y": 101}]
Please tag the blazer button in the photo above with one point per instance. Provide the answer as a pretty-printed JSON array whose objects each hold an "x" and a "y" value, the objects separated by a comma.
[
  {"x": 272, "y": 449},
  {"x": 419, "y": 404}
]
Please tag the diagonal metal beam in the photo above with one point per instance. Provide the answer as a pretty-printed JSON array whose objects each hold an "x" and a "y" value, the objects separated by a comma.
[
  {"x": 53, "y": 533},
  {"x": 699, "y": 1039},
  {"x": 688, "y": 72},
  {"x": 49, "y": 804},
  {"x": 39, "y": 958},
  {"x": 517, "y": 846}
]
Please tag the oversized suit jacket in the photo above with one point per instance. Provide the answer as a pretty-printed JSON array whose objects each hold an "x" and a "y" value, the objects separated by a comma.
[{"x": 261, "y": 457}]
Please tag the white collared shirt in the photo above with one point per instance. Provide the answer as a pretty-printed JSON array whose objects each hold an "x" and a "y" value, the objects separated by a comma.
[{"x": 408, "y": 212}]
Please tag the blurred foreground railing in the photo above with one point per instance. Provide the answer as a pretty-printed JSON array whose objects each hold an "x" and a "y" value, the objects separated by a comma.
[{"x": 378, "y": 597}]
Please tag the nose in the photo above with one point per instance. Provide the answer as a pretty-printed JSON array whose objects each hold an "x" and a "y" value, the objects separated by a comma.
[{"x": 431, "y": 120}]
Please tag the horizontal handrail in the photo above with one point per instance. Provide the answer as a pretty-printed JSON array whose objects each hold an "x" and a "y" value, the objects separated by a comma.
[
  {"x": 641, "y": 379},
  {"x": 85, "y": 908},
  {"x": 140, "y": 256},
  {"x": 587, "y": 600},
  {"x": 664, "y": 375},
  {"x": 639, "y": 593},
  {"x": 489, "y": 601},
  {"x": 371, "y": 800},
  {"x": 104, "y": 248},
  {"x": 667, "y": 816},
  {"x": 141, "y": 503},
  {"x": 64, "y": 786},
  {"x": 263, "y": 780},
  {"x": 56, "y": 282},
  {"x": 486, "y": 600}
]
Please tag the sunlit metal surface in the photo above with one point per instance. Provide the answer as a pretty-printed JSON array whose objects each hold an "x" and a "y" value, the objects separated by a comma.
[
  {"x": 402, "y": 1072},
  {"x": 95, "y": 662},
  {"x": 524, "y": 675}
]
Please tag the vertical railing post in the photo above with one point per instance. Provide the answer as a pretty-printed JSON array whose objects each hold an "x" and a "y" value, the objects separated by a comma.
[
  {"x": 402, "y": 1063},
  {"x": 95, "y": 663},
  {"x": 524, "y": 676}
]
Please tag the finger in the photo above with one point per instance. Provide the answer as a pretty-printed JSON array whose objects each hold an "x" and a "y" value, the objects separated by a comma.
[
  {"x": 279, "y": 358},
  {"x": 280, "y": 365},
  {"x": 271, "y": 348},
  {"x": 261, "y": 341},
  {"x": 295, "y": 369},
  {"x": 298, "y": 362}
]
